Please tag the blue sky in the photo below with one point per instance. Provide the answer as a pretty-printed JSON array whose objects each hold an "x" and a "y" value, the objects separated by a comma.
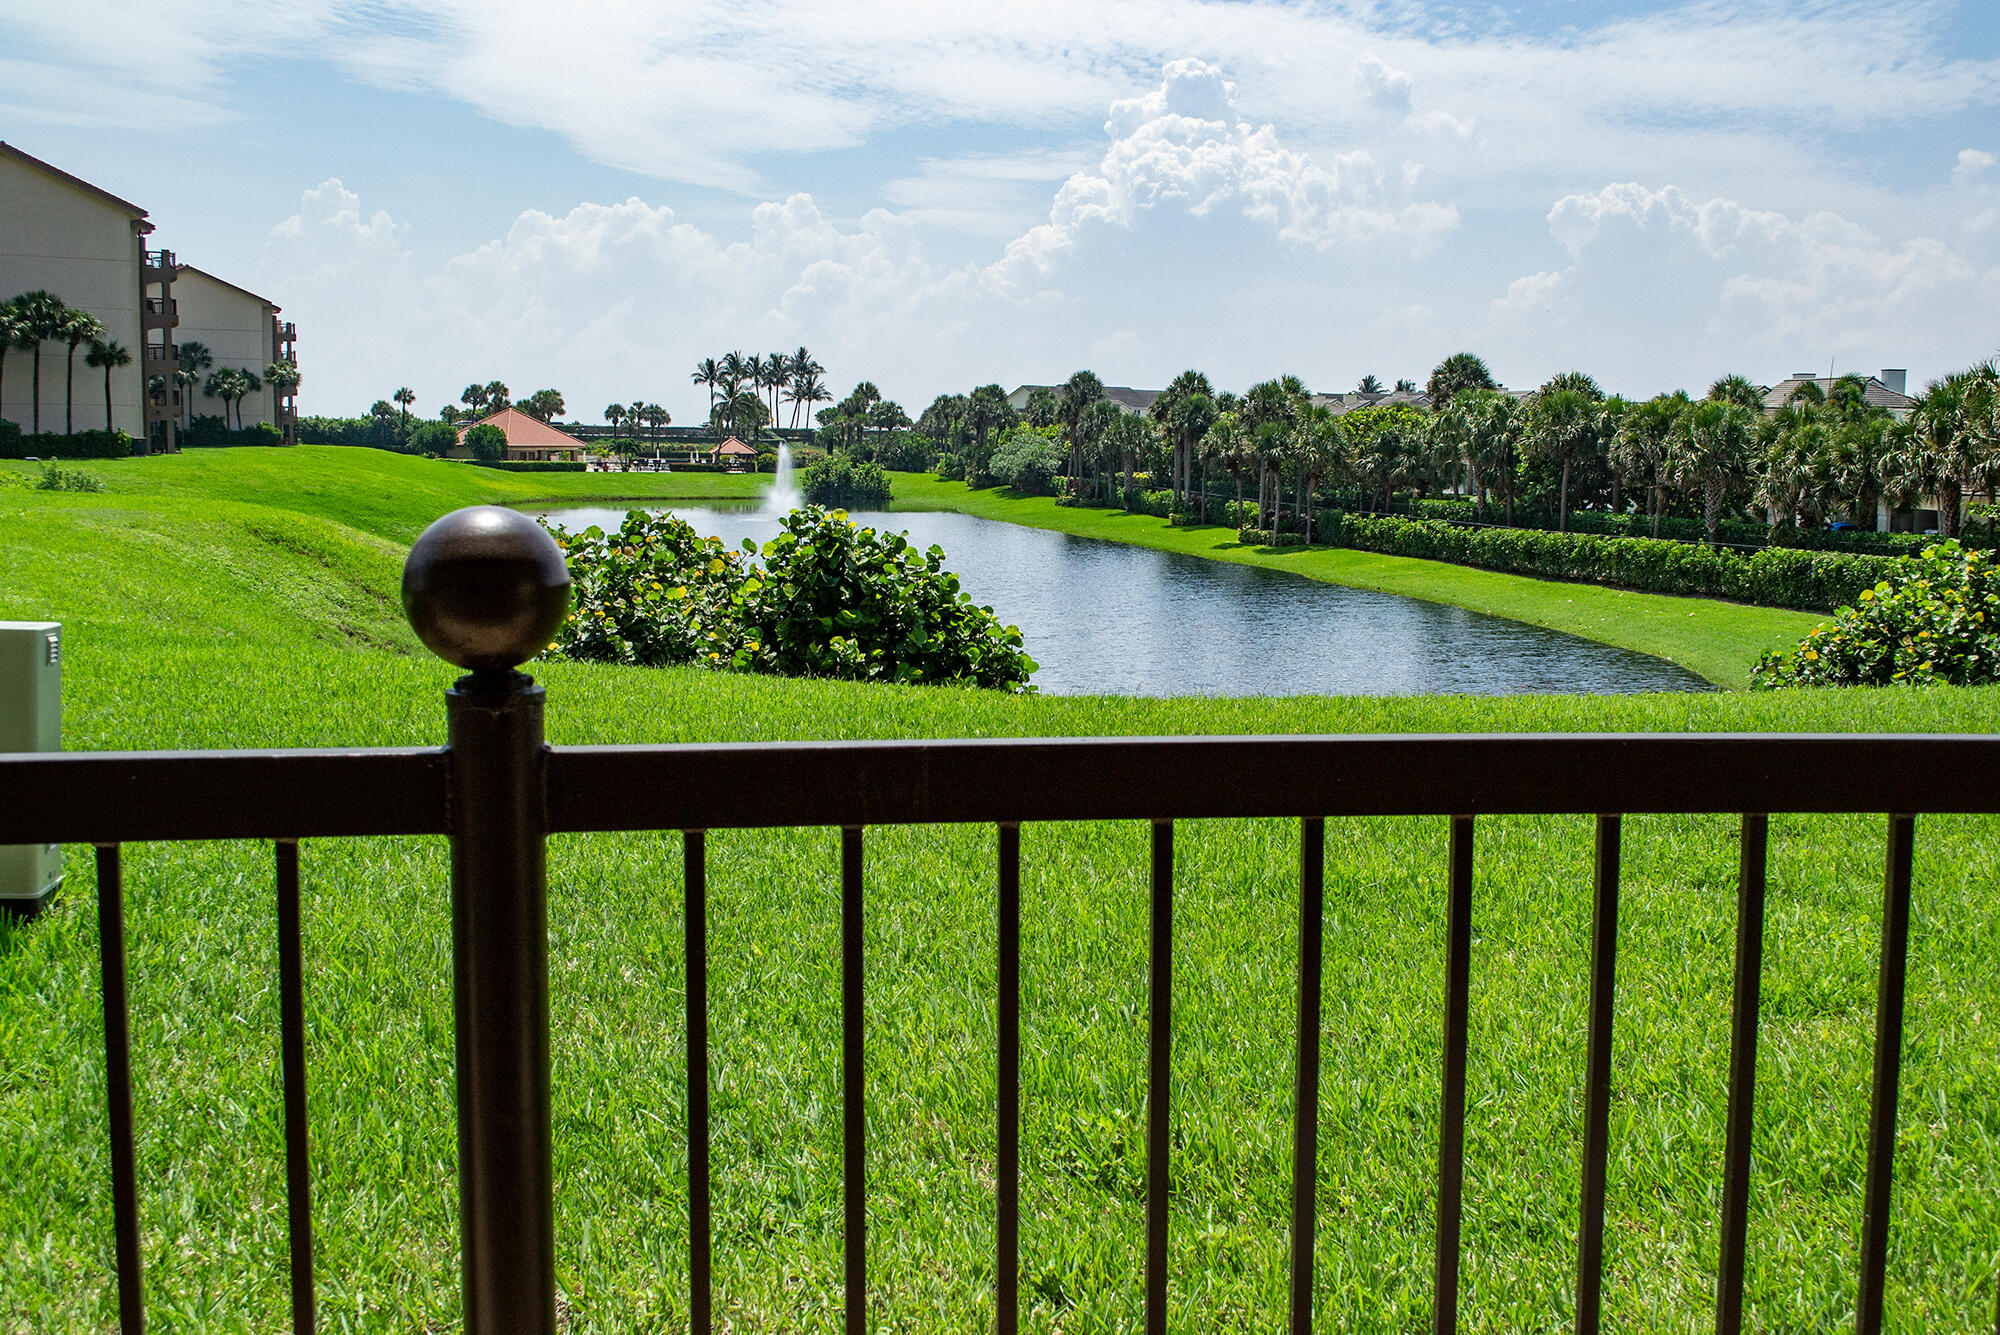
[{"x": 935, "y": 196}]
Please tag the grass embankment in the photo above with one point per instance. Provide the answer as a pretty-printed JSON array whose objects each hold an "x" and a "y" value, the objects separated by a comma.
[
  {"x": 196, "y": 620},
  {"x": 1716, "y": 639}
]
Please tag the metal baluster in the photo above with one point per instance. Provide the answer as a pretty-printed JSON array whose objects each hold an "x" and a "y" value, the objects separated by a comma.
[
  {"x": 1159, "y": 1064},
  {"x": 1451, "y": 1098},
  {"x": 1888, "y": 1070},
  {"x": 118, "y": 1087},
  {"x": 1597, "y": 1086},
  {"x": 1007, "y": 1227},
  {"x": 1305, "y": 1090},
  {"x": 694, "y": 926},
  {"x": 1742, "y": 1074},
  {"x": 292, "y": 1028},
  {"x": 852, "y": 1092}
]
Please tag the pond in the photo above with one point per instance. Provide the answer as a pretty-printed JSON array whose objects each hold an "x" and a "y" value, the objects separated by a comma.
[{"x": 1105, "y": 618}]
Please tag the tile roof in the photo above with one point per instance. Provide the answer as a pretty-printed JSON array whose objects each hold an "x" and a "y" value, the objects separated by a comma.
[
  {"x": 1873, "y": 393},
  {"x": 521, "y": 429},
  {"x": 1131, "y": 400},
  {"x": 734, "y": 446}
]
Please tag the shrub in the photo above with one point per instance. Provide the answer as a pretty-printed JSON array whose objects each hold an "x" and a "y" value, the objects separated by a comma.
[
  {"x": 832, "y": 600},
  {"x": 57, "y": 478},
  {"x": 19, "y": 444},
  {"x": 487, "y": 442},
  {"x": 208, "y": 432},
  {"x": 841, "y": 601},
  {"x": 530, "y": 465},
  {"x": 845, "y": 484},
  {"x": 907, "y": 452},
  {"x": 1774, "y": 576},
  {"x": 433, "y": 439},
  {"x": 1027, "y": 461},
  {"x": 1931, "y": 618},
  {"x": 950, "y": 468}
]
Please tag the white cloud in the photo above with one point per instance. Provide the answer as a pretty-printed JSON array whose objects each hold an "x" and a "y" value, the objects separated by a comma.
[
  {"x": 1385, "y": 88},
  {"x": 1653, "y": 271},
  {"x": 1974, "y": 169},
  {"x": 1183, "y": 147}
]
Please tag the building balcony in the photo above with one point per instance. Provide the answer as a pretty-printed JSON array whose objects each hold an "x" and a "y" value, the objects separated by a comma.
[
  {"x": 159, "y": 313},
  {"x": 159, "y": 358}
]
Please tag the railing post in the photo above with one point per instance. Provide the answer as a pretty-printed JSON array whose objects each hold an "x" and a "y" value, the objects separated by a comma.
[{"x": 486, "y": 588}]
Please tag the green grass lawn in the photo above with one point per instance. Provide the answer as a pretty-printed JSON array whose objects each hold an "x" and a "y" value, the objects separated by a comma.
[
  {"x": 222, "y": 603},
  {"x": 1718, "y": 640}
]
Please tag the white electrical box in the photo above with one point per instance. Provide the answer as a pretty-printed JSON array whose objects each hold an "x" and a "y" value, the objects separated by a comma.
[{"x": 31, "y": 654}]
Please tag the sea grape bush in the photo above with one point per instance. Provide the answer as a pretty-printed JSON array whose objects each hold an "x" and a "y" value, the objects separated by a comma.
[
  {"x": 830, "y": 599},
  {"x": 1933, "y": 618},
  {"x": 842, "y": 482},
  {"x": 838, "y": 600},
  {"x": 654, "y": 593}
]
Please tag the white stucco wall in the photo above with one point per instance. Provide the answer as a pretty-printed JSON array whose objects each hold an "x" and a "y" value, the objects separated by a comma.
[
  {"x": 85, "y": 250},
  {"x": 236, "y": 328}
]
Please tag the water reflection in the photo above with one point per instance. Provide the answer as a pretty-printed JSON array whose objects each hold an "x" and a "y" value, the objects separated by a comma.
[{"x": 1104, "y": 618}]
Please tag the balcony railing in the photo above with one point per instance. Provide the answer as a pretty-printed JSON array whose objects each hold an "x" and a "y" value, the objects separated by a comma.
[
  {"x": 163, "y": 306},
  {"x": 497, "y": 792}
]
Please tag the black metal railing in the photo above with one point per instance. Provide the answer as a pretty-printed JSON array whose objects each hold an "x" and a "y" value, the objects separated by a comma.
[{"x": 481, "y": 591}]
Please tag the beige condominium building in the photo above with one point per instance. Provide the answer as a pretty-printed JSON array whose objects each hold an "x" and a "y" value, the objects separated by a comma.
[
  {"x": 239, "y": 329},
  {"x": 90, "y": 249}
]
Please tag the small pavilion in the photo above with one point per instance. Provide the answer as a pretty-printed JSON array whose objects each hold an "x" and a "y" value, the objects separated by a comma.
[
  {"x": 528, "y": 438},
  {"x": 736, "y": 455}
]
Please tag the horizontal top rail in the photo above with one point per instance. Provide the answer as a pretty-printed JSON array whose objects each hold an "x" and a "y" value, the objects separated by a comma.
[
  {"x": 102, "y": 797},
  {"x": 105, "y": 797}
]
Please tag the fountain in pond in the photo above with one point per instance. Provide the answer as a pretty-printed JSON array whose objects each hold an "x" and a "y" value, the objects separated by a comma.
[{"x": 784, "y": 494}]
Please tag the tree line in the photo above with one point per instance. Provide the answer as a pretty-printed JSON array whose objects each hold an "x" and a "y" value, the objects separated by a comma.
[{"x": 1825, "y": 456}]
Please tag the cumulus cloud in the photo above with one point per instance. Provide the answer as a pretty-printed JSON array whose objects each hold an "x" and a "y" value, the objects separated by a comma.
[
  {"x": 1184, "y": 147},
  {"x": 1654, "y": 268},
  {"x": 1386, "y": 88},
  {"x": 1974, "y": 169}
]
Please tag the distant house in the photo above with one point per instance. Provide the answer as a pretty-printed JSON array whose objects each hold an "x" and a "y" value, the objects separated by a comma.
[
  {"x": 1131, "y": 400},
  {"x": 529, "y": 439},
  {"x": 1887, "y": 390},
  {"x": 1342, "y": 404},
  {"x": 735, "y": 454}
]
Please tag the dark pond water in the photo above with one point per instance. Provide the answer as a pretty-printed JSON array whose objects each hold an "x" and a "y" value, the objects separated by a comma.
[{"x": 1104, "y": 618}]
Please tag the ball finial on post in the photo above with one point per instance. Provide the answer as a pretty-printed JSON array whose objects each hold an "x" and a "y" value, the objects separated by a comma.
[{"x": 485, "y": 588}]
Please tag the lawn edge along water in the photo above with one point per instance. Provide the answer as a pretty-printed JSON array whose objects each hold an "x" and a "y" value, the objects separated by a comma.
[{"x": 1719, "y": 641}]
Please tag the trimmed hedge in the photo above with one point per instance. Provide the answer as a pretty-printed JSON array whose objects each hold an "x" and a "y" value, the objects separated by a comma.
[
  {"x": 1773, "y": 577},
  {"x": 18, "y": 444},
  {"x": 1679, "y": 528},
  {"x": 208, "y": 433},
  {"x": 528, "y": 465}
]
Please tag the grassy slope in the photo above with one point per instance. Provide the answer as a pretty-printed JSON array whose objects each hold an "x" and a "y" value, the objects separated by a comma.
[
  {"x": 1716, "y": 639},
  {"x": 195, "y": 621}
]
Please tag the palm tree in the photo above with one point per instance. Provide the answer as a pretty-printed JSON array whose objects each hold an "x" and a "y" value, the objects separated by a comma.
[
  {"x": 1369, "y": 385},
  {"x": 110, "y": 356},
  {"x": 987, "y": 412},
  {"x": 735, "y": 369},
  {"x": 496, "y": 396},
  {"x": 802, "y": 365},
  {"x": 1454, "y": 375},
  {"x": 758, "y": 372},
  {"x": 779, "y": 370},
  {"x": 1320, "y": 448},
  {"x": 77, "y": 328},
  {"x": 1405, "y": 386},
  {"x": 1738, "y": 390},
  {"x": 1562, "y": 428},
  {"x": 404, "y": 397},
  {"x": 1078, "y": 392},
  {"x": 614, "y": 413},
  {"x": 1711, "y": 449},
  {"x": 1641, "y": 449},
  {"x": 1493, "y": 443},
  {"x": 284, "y": 377},
  {"x": 41, "y": 314},
  {"x": 474, "y": 398},
  {"x": 707, "y": 372},
  {"x": 221, "y": 384},
  {"x": 1943, "y": 451},
  {"x": 1450, "y": 433},
  {"x": 193, "y": 358},
  {"x": 1184, "y": 411},
  {"x": 12, "y": 333}
]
